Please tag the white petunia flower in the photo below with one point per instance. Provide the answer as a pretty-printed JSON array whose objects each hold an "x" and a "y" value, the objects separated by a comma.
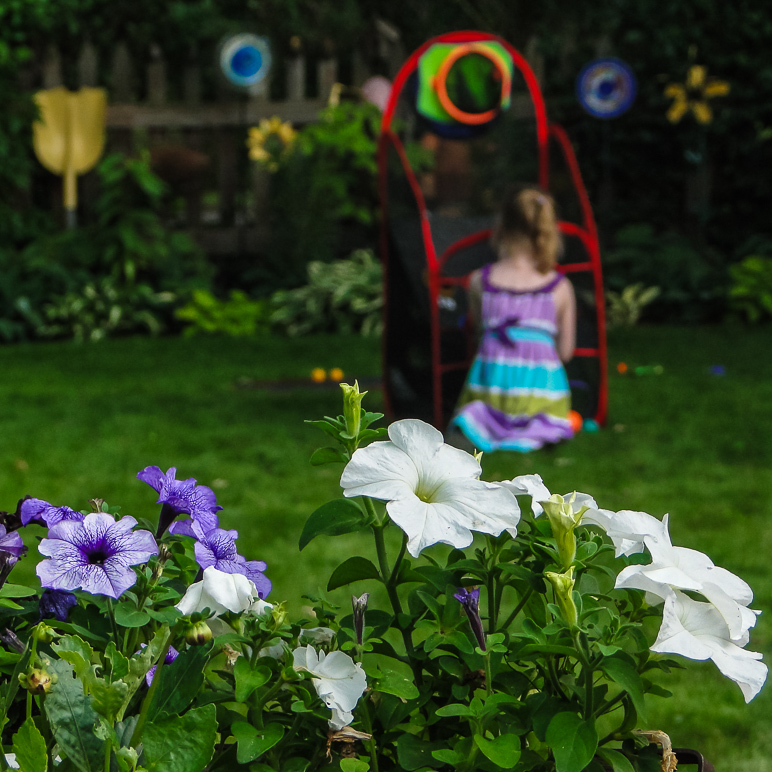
[
  {"x": 433, "y": 491},
  {"x": 338, "y": 680},
  {"x": 317, "y": 635},
  {"x": 219, "y": 592},
  {"x": 260, "y": 608},
  {"x": 628, "y": 529},
  {"x": 678, "y": 568},
  {"x": 698, "y": 631},
  {"x": 532, "y": 485}
]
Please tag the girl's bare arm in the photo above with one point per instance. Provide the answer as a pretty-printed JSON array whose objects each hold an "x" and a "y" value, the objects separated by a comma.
[
  {"x": 475, "y": 298},
  {"x": 565, "y": 307}
]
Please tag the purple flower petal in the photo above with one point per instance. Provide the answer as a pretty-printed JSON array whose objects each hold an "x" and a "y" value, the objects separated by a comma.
[
  {"x": 182, "y": 528},
  {"x": 171, "y": 655},
  {"x": 183, "y": 496},
  {"x": 218, "y": 548},
  {"x": 11, "y": 542},
  {"x": 96, "y": 554},
  {"x": 37, "y": 510},
  {"x": 56, "y": 604}
]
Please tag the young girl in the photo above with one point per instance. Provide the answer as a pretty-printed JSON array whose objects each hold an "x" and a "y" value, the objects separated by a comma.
[{"x": 517, "y": 395}]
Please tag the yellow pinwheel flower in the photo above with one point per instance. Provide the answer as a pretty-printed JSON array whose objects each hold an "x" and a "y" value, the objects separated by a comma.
[
  {"x": 270, "y": 141},
  {"x": 693, "y": 95}
]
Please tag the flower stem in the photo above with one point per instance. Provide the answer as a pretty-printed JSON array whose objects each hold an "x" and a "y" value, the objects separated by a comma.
[
  {"x": 111, "y": 614},
  {"x": 388, "y": 577},
  {"x": 371, "y": 745},
  {"x": 138, "y": 729},
  {"x": 511, "y": 618}
]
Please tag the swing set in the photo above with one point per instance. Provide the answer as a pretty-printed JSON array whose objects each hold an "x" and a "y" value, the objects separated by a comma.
[{"x": 473, "y": 101}]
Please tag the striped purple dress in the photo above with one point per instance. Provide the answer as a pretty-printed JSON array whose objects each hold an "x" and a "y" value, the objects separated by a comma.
[{"x": 516, "y": 395}]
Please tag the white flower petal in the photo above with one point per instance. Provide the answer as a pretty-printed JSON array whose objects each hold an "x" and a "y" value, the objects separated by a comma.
[
  {"x": 433, "y": 491},
  {"x": 627, "y": 528},
  {"x": 528, "y": 485},
  {"x": 338, "y": 680},
  {"x": 219, "y": 592},
  {"x": 698, "y": 631},
  {"x": 381, "y": 471},
  {"x": 426, "y": 524}
]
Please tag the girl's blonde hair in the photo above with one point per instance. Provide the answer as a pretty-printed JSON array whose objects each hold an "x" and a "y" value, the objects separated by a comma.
[{"x": 528, "y": 215}]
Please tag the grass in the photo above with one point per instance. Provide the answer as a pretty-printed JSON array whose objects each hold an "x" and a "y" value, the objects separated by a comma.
[{"x": 80, "y": 421}]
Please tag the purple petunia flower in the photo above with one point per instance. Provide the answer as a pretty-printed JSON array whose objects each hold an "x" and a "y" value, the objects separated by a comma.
[
  {"x": 37, "y": 511},
  {"x": 56, "y": 604},
  {"x": 181, "y": 497},
  {"x": 217, "y": 548},
  {"x": 96, "y": 554},
  {"x": 470, "y": 601},
  {"x": 171, "y": 655},
  {"x": 11, "y": 543}
]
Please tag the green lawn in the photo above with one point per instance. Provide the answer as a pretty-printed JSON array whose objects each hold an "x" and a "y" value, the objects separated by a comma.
[{"x": 80, "y": 421}]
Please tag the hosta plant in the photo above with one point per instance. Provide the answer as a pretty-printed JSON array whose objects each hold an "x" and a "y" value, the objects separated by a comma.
[{"x": 493, "y": 625}]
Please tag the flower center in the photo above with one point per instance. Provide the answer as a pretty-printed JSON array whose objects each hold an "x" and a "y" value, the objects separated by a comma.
[{"x": 97, "y": 557}]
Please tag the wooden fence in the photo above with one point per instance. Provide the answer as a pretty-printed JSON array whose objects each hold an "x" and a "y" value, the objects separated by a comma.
[{"x": 195, "y": 127}]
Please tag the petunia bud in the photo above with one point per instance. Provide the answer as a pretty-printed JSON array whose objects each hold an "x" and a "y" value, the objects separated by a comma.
[
  {"x": 198, "y": 634},
  {"x": 564, "y": 594},
  {"x": 278, "y": 615},
  {"x": 564, "y": 520},
  {"x": 360, "y": 606},
  {"x": 470, "y": 601},
  {"x": 352, "y": 408},
  {"x": 37, "y": 681},
  {"x": 43, "y": 633}
]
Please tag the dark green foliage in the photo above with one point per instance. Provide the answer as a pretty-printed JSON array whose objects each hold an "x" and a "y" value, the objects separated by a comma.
[
  {"x": 238, "y": 316},
  {"x": 343, "y": 296},
  {"x": 692, "y": 288},
  {"x": 751, "y": 292},
  {"x": 122, "y": 272},
  {"x": 328, "y": 181}
]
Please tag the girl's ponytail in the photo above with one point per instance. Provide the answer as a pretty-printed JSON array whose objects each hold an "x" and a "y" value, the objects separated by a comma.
[{"x": 529, "y": 215}]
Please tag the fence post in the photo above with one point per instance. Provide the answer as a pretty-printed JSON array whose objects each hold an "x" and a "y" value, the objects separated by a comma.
[
  {"x": 52, "y": 68},
  {"x": 296, "y": 78},
  {"x": 327, "y": 70}
]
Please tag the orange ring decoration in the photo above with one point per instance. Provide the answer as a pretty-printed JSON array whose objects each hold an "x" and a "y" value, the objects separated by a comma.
[{"x": 440, "y": 82}]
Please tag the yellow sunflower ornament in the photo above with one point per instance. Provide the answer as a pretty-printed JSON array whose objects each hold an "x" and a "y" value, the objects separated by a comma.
[
  {"x": 693, "y": 95},
  {"x": 269, "y": 141}
]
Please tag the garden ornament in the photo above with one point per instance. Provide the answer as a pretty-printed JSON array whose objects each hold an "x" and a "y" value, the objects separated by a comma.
[{"x": 70, "y": 136}]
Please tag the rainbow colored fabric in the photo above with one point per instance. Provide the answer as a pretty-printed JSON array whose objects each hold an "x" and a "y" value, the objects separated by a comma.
[{"x": 517, "y": 395}]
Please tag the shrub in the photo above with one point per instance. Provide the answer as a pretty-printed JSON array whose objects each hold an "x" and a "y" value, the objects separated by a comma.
[
  {"x": 238, "y": 317},
  {"x": 342, "y": 296}
]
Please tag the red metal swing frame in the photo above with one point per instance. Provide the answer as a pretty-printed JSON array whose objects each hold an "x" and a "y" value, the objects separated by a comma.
[{"x": 586, "y": 232}]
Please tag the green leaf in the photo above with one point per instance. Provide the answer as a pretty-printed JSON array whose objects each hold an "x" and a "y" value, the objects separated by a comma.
[
  {"x": 456, "y": 709},
  {"x": 119, "y": 665},
  {"x": 254, "y": 742},
  {"x": 181, "y": 681},
  {"x": 181, "y": 743},
  {"x": 16, "y": 591},
  {"x": 107, "y": 698},
  {"x": 394, "y": 683},
  {"x": 503, "y": 751},
  {"x": 354, "y": 765},
  {"x": 73, "y": 649},
  {"x": 72, "y": 719},
  {"x": 328, "y": 455},
  {"x": 624, "y": 674},
  {"x": 128, "y": 616},
  {"x": 573, "y": 742},
  {"x": 332, "y": 519},
  {"x": 247, "y": 679},
  {"x": 30, "y": 748},
  {"x": 415, "y": 753},
  {"x": 616, "y": 760},
  {"x": 448, "y": 756},
  {"x": 352, "y": 570}
]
